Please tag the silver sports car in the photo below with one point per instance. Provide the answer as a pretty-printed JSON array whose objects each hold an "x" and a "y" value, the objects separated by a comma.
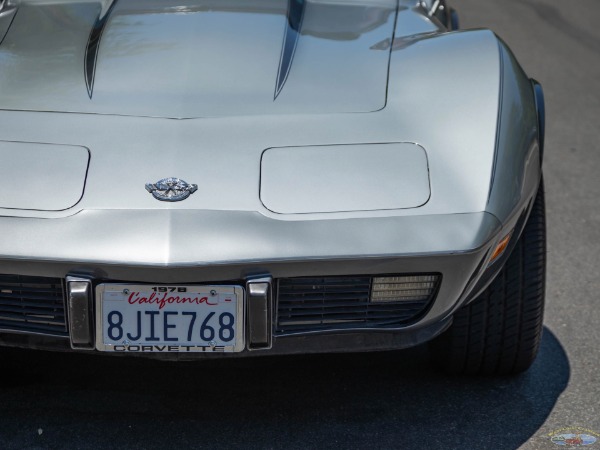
[{"x": 195, "y": 178}]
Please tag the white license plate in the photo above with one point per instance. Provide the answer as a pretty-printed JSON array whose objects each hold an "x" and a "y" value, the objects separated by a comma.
[{"x": 179, "y": 318}]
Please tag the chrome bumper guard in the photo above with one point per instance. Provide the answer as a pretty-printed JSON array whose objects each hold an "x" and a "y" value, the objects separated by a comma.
[
  {"x": 80, "y": 313},
  {"x": 260, "y": 313}
]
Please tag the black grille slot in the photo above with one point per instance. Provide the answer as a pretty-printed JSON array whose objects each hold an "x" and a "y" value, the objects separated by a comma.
[
  {"x": 333, "y": 303},
  {"x": 32, "y": 304}
]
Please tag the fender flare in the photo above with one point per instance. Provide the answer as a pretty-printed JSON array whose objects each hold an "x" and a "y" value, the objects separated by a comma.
[{"x": 541, "y": 113}]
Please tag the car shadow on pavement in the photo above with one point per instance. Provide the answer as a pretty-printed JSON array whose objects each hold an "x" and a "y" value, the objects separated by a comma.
[{"x": 376, "y": 400}]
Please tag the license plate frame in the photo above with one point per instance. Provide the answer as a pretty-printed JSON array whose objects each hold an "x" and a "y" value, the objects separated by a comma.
[{"x": 113, "y": 290}]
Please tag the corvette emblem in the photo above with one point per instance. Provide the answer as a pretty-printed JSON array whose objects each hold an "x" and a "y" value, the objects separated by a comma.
[{"x": 171, "y": 189}]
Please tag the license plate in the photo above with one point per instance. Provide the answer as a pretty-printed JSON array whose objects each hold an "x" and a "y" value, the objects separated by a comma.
[{"x": 157, "y": 318}]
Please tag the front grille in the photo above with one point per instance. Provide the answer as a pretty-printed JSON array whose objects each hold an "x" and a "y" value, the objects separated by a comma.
[
  {"x": 333, "y": 303},
  {"x": 32, "y": 304}
]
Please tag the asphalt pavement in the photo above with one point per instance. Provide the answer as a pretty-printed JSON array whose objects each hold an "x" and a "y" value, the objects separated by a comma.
[{"x": 378, "y": 400}]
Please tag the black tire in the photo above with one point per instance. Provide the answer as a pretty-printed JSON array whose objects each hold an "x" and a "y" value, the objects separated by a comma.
[{"x": 499, "y": 333}]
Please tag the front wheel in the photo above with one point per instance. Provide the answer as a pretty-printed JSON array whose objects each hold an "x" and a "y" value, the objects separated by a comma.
[{"x": 499, "y": 333}]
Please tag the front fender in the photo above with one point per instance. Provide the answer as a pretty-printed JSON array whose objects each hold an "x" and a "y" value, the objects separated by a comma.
[{"x": 517, "y": 161}]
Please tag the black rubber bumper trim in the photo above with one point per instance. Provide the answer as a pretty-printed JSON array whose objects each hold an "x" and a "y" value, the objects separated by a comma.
[{"x": 346, "y": 342}]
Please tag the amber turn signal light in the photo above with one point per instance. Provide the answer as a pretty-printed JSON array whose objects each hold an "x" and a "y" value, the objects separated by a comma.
[{"x": 501, "y": 247}]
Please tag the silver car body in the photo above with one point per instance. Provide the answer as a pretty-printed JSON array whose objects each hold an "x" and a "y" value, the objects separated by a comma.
[{"x": 325, "y": 137}]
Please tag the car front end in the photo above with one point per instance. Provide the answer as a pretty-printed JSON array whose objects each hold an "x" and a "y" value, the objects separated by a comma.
[{"x": 182, "y": 187}]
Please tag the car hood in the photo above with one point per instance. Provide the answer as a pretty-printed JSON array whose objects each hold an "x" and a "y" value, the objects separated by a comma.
[{"x": 191, "y": 59}]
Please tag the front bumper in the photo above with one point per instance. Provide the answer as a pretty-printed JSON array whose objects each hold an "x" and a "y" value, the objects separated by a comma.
[{"x": 247, "y": 246}]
